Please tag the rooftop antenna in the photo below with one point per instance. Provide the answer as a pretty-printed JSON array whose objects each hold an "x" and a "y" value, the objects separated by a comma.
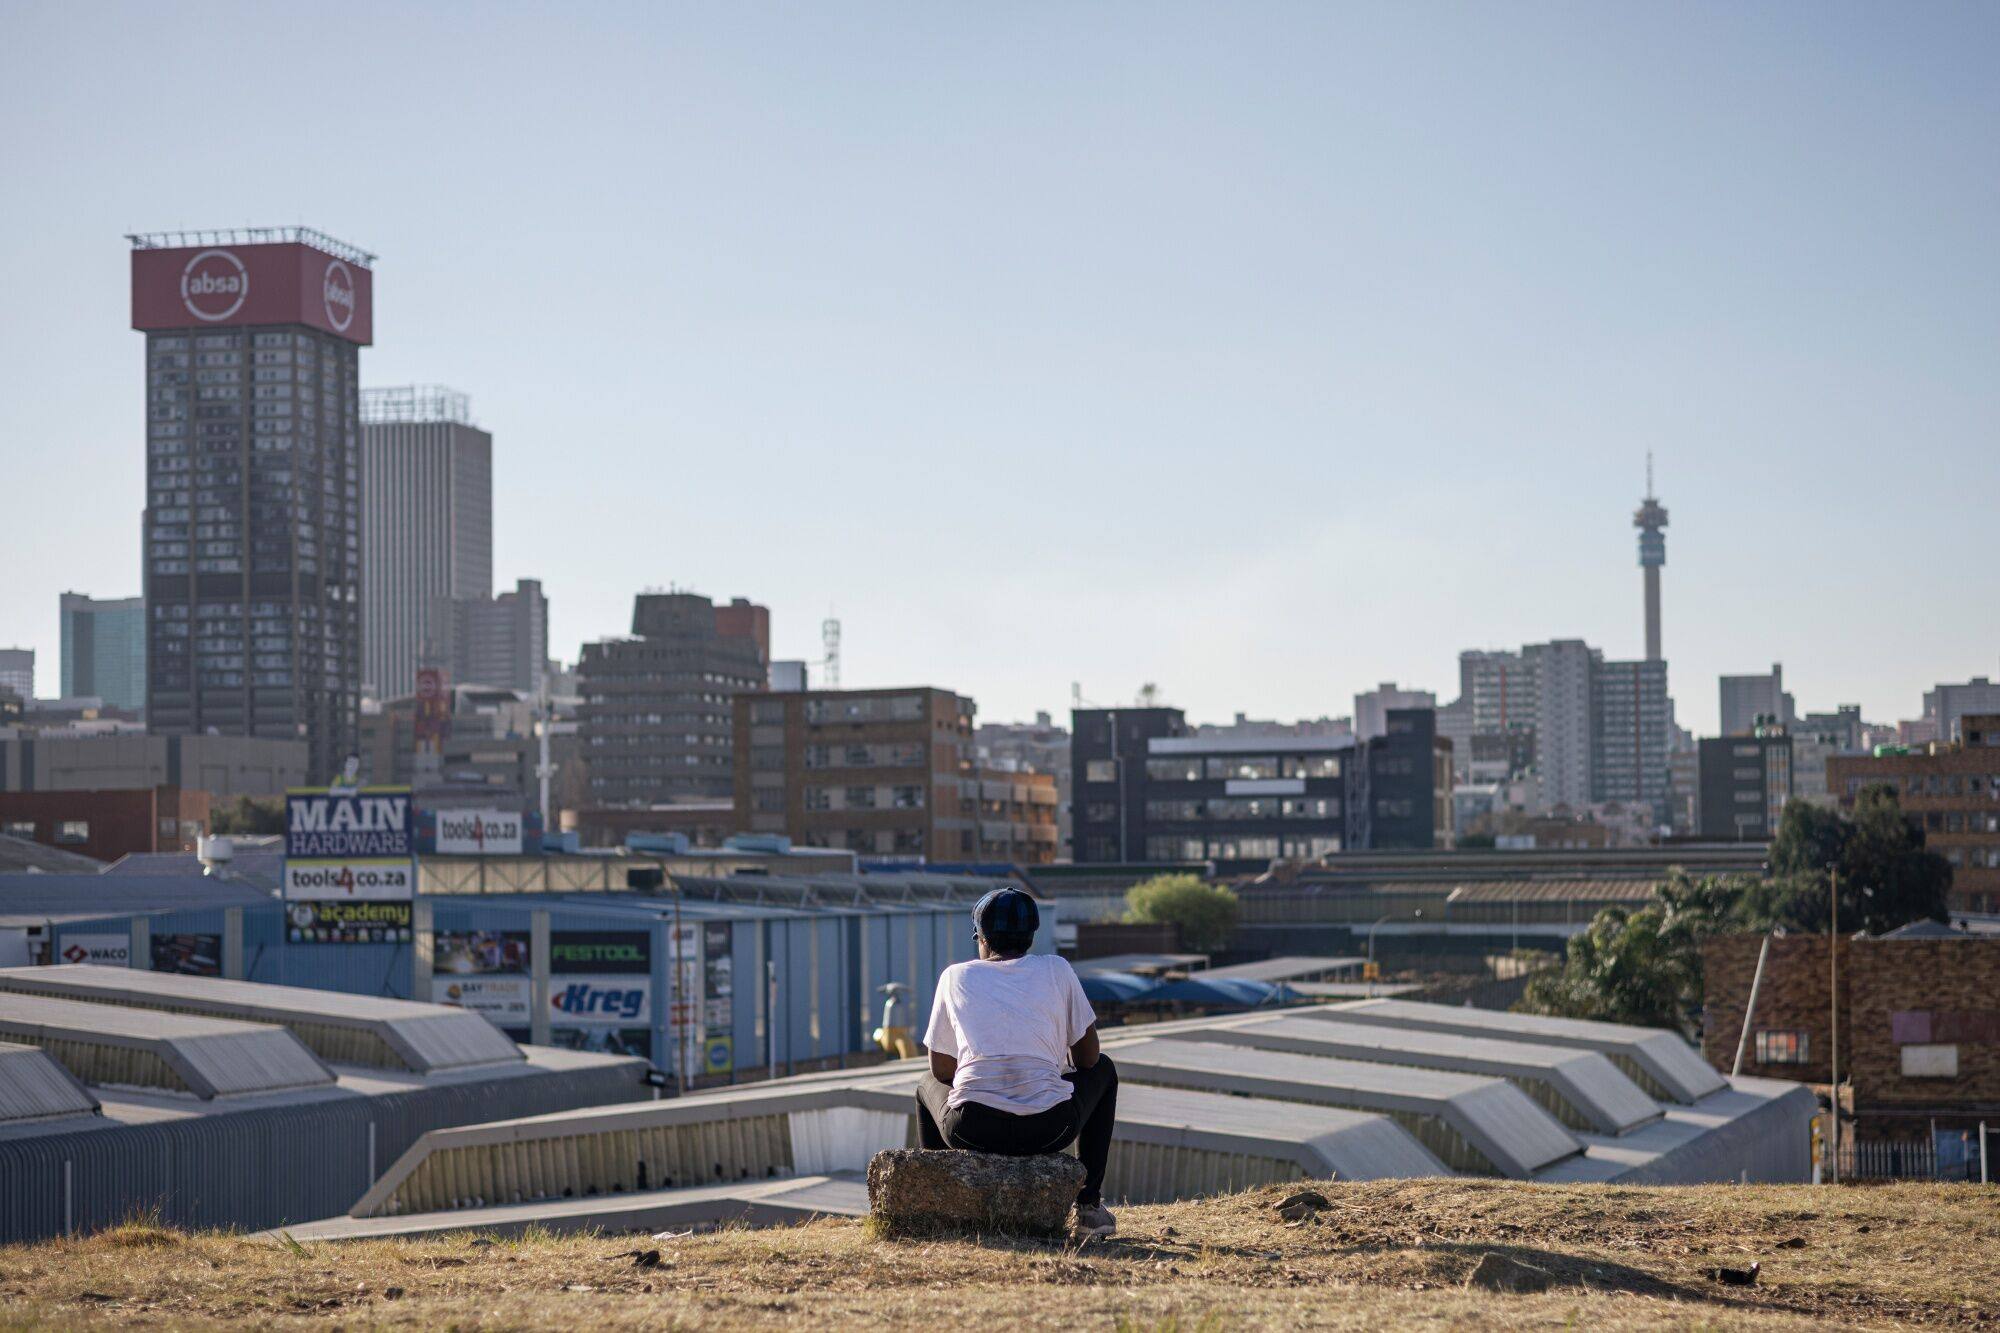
[
  {"x": 829, "y": 637},
  {"x": 1649, "y": 475}
]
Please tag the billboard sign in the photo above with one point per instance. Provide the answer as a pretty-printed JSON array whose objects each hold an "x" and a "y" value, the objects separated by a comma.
[
  {"x": 348, "y": 922},
  {"x": 189, "y": 955},
  {"x": 347, "y": 824},
  {"x": 231, "y": 286},
  {"x": 349, "y": 881},
  {"x": 624, "y": 952},
  {"x": 478, "y": 952},
  {"x": 505, "y": 1000},
  {"x": 432, "y": 720},
  {"x": 479, "y": 832},
  {"x": 609, "y": 1001},
  {"x": 97, "y": 950}
]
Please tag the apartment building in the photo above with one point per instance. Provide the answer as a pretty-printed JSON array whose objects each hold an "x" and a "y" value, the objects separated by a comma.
[{"x": 1953, "y": 789}]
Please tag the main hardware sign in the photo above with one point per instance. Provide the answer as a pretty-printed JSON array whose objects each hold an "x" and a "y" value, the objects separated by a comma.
[{"x": 349, "y": 874}]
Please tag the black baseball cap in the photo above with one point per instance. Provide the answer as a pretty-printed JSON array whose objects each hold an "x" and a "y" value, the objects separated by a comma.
[{"x": 1006, "y": 912}]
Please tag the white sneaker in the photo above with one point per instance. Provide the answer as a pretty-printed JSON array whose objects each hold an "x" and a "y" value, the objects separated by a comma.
[{"x": 1092, "y": 1220}]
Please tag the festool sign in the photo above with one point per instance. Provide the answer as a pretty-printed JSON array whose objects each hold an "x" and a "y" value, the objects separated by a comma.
[{"x": 600, "y": 951}]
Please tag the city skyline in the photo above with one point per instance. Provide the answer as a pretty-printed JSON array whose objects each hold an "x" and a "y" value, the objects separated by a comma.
[{"x": 1200, "y": 410}]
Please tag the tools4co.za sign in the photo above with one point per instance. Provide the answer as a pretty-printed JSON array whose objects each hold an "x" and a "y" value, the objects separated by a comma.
[
  {"x": 349, "y": 881},
  {"x": 354, "y": 824},
  {"x": 479, "y": 832}
]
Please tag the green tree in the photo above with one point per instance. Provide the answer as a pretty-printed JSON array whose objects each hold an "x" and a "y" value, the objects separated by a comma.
[
  {"x": 1205, "y": 913},
  {"x": 248, "y": 815},
  {"x": 1887, "y": 876}
]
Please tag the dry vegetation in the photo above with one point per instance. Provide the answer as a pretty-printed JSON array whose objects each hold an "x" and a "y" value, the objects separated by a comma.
[{"x": 1392, "y": 1254}]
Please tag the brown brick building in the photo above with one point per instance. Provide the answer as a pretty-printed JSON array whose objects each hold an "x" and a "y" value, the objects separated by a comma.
[
  {"x": 1919, "y": 1022},
  {"x": 1954, "y": 790},
  {"x": 888, "y": 774},
  {"x": 105, "y": 825}
]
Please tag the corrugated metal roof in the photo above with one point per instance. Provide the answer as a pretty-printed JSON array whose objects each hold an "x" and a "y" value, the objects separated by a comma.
[
  {"x": 1139, "y": 962},
  {"x": 1660, "y": 1062},
  {"x": 1601, "y": 1098},
  {"x": 1286, "y": 968},
  {"x": 108, "y": 1044},
  {"x": 24, "y": 855},
  {"x": 1538, "y": 890},
  {"x": 121, "y": 895},
  {"x": 422, "y": 1037},
  {"x": 34, "y": 1087},
  {"x": 1513, "y": 1135}
]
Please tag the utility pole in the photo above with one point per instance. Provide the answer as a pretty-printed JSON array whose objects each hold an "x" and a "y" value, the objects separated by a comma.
[{"x": 1833, "y": 1046}]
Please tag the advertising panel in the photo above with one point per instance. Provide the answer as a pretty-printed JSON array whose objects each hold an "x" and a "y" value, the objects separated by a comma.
[
  {"x": 479, "y": 832},
  {"x": 503, "y": 1000},
  {"x": 189, "y": 955},
  {"x": 347, "y": 824},
  {"x": 472, "y": 952},
  {"x": 432, "y": 721},
  {"x": 349, "y": 881},
  {"x": 348, "y": 922},
  {"x": 605, "y": 1040},
  {"x": 617, "y": 1001},
  {"x": 718, "y": 992},
  {"x": 616, "y": 951},
  {"x": 99, "y": 950},
  {"x": 231, "y": 286}
]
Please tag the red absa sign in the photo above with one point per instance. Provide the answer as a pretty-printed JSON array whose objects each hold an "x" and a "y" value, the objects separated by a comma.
[{"x": 229, "y": 286}]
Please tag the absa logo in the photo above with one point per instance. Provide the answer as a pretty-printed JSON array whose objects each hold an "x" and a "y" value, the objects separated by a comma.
[
  {"x": 214, "y": 285},
  {"x": 337, "y": 290}
]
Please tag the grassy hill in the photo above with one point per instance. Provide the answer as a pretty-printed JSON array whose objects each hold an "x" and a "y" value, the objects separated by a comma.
[{"x": 1390, "y": 1254}]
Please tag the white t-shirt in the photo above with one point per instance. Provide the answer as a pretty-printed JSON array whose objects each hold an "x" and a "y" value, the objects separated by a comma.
[{"x": 1009, "y": 1023}]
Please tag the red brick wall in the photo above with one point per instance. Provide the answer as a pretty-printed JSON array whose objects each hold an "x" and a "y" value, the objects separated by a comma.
[
  {"x": 119, "y": 822},
  {"x": 1793, "y": 998}
]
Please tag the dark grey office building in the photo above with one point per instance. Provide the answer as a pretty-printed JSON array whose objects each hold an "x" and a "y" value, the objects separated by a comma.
[
  {"x": 252, "y": 544},
  {"x": 1745, "y": 782},
  {"x": 1145, "y": 790},
  {"x": 657, "y": 720},
  {"x": 500, "y": 640}
]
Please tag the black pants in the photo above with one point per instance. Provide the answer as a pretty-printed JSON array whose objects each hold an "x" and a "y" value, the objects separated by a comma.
[{"x": 1086, "y": 1118}]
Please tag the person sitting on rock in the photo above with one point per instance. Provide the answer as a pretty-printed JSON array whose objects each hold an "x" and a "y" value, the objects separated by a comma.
[{"x": 1003, "y": 1028}]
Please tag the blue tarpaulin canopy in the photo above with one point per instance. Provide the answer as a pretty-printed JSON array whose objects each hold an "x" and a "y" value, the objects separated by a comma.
[
  {"x": 1115, "y": 987},
  {"x": 1219, "y": 992}
]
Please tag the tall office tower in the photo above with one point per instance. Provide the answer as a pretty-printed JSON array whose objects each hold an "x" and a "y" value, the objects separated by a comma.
[
  {"x": 1565, "y": 733},
  {"x": 17, "y": 671},
  {"x": 104, "y": 649},
  {"x": 1745, "y": 699},
  {"x": 252, "y": 542},
  {"x": 1632, "y": 724},
  {"x": 657, "y": 720},
  {"x": 500, "y": 640},
  {"x": 1371, "y": 710},
  {"x": 1502, "y": 689},
  {"x": 1651, "y": 520},
  {"x": 426, "y": 527}
]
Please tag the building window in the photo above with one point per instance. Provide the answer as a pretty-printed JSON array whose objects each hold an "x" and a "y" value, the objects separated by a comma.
[
  {"x": 1173, "y": 770},
  {"x": 19, "y": 828},
  {"x": 860, "y": 798},
  {"x": 1776, "y": 1047},
  {"x": 1100, "y": 770},
  {"x": 72, "y": 831},
  {"x": 908, "y": 798}
]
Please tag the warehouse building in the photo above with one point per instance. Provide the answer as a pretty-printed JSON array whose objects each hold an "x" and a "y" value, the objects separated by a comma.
[
  {"x": 228, "y": 1104},
  {"x": 1205, "y": 1106}
]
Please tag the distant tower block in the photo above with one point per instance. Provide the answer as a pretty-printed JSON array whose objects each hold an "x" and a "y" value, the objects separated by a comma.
[
  {"x": 1651, "y": 520},
  {"x": 829, "y": 637}
]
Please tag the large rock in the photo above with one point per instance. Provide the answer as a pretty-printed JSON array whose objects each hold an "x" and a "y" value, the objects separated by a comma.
[{"x": 917, "y": 1192}]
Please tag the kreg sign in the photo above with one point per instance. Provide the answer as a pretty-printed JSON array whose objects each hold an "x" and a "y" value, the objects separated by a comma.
[
  {"x": 479, "y": 832},
  {"x": 237, "y": 285},
  {"x": 371, "y": 822},
  {"x": 584, "y": 1000}
]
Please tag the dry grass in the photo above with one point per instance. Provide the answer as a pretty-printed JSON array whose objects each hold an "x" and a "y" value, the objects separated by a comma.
[{"x": 1391, "y": 1254}]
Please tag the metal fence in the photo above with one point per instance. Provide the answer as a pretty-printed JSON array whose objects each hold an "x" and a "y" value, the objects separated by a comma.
[{"x": 1948, "y": 1158}]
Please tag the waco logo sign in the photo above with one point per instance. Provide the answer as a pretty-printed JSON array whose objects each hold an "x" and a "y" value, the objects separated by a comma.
[{"x": 479, "y": 832}]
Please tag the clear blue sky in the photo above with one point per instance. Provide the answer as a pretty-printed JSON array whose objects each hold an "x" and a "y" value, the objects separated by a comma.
[{"x": 1265, "y": 352}]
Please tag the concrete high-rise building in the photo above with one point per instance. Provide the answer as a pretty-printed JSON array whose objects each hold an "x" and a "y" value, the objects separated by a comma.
[
  {"x": 104, "y": 649},
  {"x": 1501, "y": 686},
  {"x": 426, "y": 528},
  {"x": 1651, "y": 521},
  {"x": 1946, "y": 705},
  {"x": 17, "y": 671},
  {"x": 1748, "y": 700},
  {"x": 656, "y": 721},
  {"x": 500, "y": 640},
  {"x": 1565, "y": 721},
  {"x": 252, "y": 526},
  {"x": 1632, "y": 726},
  {"x": 1371, "y": 710}
]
